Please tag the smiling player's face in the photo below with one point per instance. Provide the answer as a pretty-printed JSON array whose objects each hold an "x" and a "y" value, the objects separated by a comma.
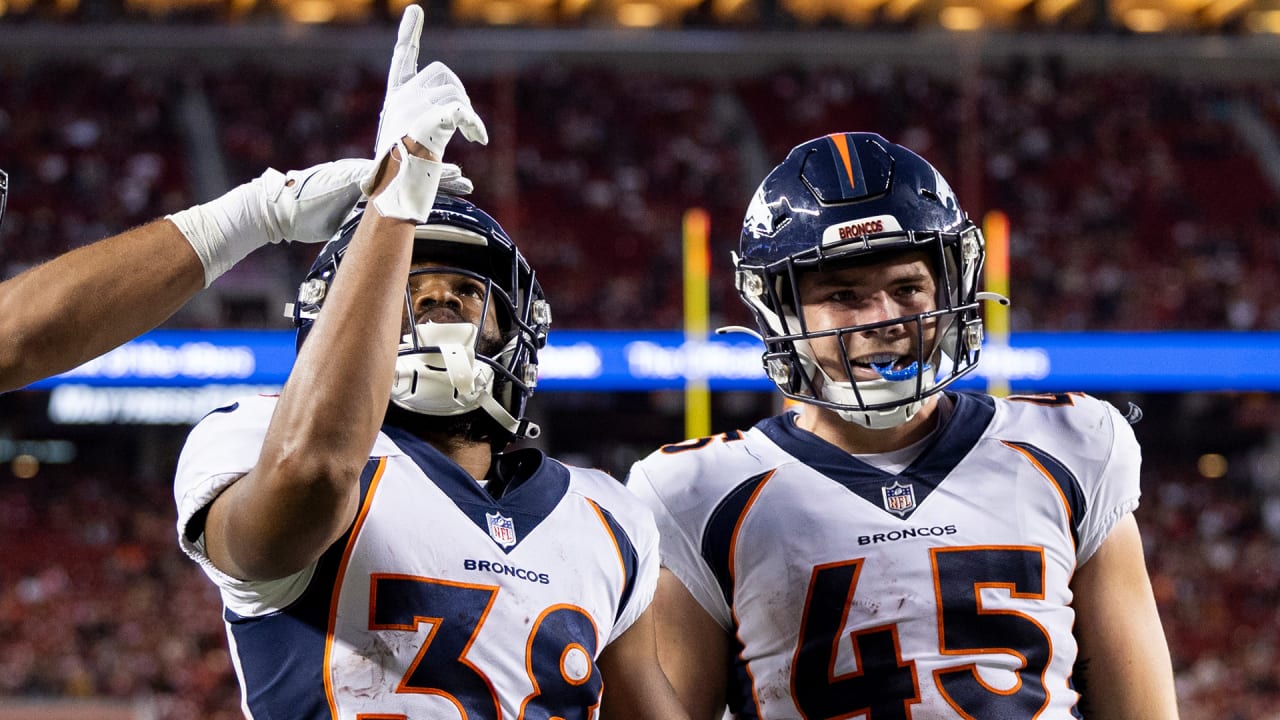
[{"x": 867, "y": 294}]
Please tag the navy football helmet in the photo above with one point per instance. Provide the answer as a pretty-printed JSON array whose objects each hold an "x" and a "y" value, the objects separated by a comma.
[
  {"x": 441, "y": 369},
  {"x": 843, "y": 199}
]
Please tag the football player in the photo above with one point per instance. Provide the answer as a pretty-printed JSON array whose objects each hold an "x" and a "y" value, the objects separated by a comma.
[
  {"x": 378, "y": 555},
  {"x": 894, "y": 548}
]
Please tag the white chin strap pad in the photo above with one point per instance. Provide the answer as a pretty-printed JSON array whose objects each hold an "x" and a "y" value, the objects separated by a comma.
[
  {"x": 445, "y": 378},
  {"x": 873, "y": 392}
]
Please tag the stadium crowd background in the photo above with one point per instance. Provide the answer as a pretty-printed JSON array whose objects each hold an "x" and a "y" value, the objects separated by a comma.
[{"x": 1141, "y": 198}]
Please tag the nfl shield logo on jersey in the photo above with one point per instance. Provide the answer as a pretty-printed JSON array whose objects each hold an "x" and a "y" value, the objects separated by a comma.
[
  {"x": 502, "y": 529},
  {"x": 899, "y": 498}
]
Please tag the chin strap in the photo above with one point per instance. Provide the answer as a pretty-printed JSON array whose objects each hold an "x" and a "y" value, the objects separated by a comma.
[
  {"x": 444, "y": 378},
  {"x": 871, "y": 393},
  {"x": 460, "y": 362},
  {"x": 518, "y": 428}
]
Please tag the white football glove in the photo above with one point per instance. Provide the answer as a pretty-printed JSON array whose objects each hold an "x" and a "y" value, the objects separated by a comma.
[
  {"x": 298, "y": 206},
  {"x": 427, "y": 106},
  {"x": 453, "y": 182}
]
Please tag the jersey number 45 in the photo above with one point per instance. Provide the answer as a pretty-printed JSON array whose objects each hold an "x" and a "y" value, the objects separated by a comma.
[{"x": 885, "y": 685}]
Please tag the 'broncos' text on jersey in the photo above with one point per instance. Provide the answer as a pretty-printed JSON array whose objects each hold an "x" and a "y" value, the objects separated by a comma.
[
  {"x": 937, "y": 591},
  {"x": 441, "y": 602}
]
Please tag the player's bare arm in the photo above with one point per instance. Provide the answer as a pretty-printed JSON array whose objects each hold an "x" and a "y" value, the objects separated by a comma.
[
  {"x": 77, "y": 306},
  {"x": 635, "y": 686},
  {"x": 693, "y": 649},
  {"x": 1124, "y": 657},
  {"x": 304, "y": 491},
  {"x": 58, "y": 315}
]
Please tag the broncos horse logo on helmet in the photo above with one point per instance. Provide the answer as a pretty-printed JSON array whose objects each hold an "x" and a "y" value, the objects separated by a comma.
[
  {"x": 441, "y": 370},
  {"x": 847, "y": 198}
]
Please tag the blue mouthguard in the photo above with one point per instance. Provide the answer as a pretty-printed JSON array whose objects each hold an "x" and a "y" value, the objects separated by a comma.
[{"x": 888, "y": 373}]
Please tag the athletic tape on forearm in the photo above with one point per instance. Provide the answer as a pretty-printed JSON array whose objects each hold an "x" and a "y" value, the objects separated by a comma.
[
  {"x": 412, "y": 192},
  {"x": 224, "y": 230}
]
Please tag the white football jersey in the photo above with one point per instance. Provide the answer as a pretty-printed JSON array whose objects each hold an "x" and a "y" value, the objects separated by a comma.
[
  {"x": 440, "y": 602},
  {"x": 937, "y": 592}
]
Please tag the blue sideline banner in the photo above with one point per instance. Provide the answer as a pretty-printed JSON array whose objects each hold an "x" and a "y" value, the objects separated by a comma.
[{"x": 606, "y": 361}]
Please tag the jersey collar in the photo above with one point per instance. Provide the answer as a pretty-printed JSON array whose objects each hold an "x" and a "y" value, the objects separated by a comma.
[{"x": 950, "y": 444}]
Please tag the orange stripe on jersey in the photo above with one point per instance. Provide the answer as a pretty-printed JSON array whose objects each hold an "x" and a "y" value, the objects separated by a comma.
[
  {"x": 337, "y": 583},
  {"x": 841, "y": 141},
  {"x": 617, "y": 547},
  {"x": 733, "y": 550},
  {"x": 746, "y": 666},
  {"x": 737, "y": 527},
  {"x": 1053, "y": 482},
  {"x": 1050, "y": 399}
]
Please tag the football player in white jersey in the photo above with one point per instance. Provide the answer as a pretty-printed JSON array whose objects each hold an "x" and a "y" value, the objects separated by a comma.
[
  {"x": 378, "y": 555},
  {"x": 895, "y": 549}
]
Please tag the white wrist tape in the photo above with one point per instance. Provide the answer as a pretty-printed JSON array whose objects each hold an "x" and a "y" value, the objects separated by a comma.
[
  {"x": 297, "y": 206},
  {"x": 412, "y": 192},
  {"x": 224, "y": 230}
]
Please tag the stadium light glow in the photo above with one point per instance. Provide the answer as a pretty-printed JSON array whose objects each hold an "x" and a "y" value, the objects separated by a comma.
[
  {"x": 1212, "y": 466},
  {"x": 639, "y": 15},
  {"x": 312, "y": 12},
  {"x": 502, "y": 12},
  {"x": 1146, "y": 20},
  {"x": 1264, "y": 21},
  {"x": 961, "y": 18}
]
